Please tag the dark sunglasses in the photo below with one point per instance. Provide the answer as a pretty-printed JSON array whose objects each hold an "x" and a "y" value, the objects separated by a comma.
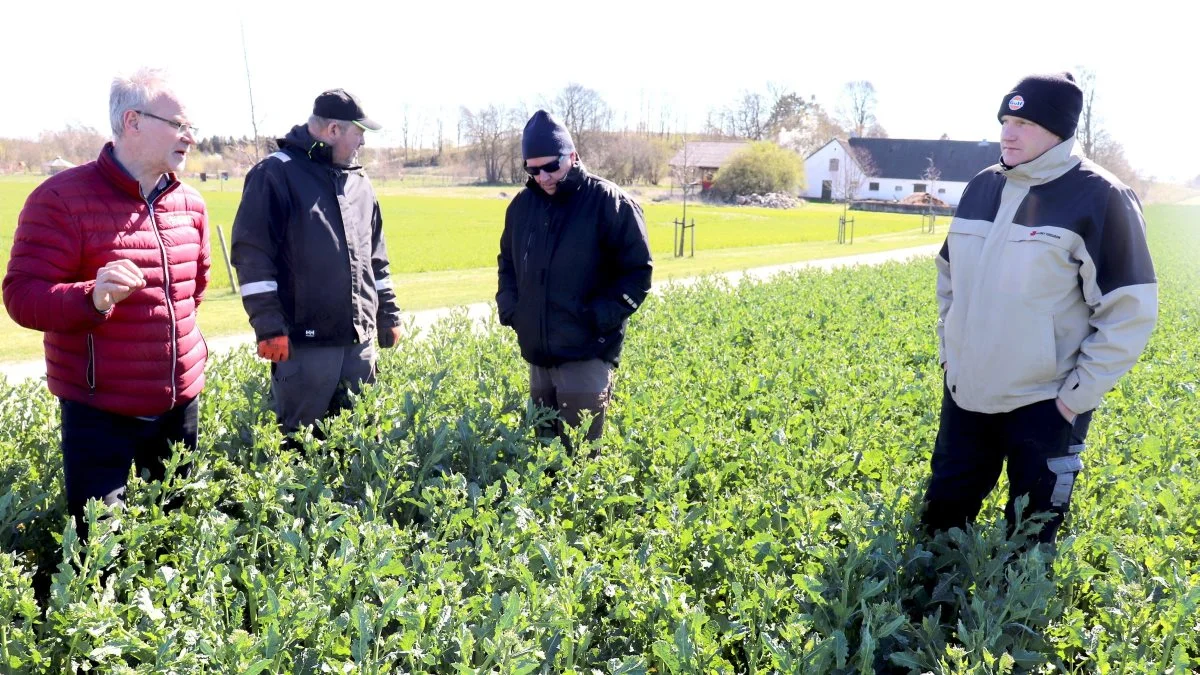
[{"x": 550, "y": 167}]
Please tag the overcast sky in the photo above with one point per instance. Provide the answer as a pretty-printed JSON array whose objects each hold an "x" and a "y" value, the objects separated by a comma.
[{"x": 938, "y": 67}]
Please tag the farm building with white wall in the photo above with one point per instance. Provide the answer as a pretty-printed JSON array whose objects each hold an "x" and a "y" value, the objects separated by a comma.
[{"x": 891, "y": 169}]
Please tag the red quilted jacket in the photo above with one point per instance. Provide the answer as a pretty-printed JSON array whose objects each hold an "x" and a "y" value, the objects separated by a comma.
[{"x": 146, "y": 356}]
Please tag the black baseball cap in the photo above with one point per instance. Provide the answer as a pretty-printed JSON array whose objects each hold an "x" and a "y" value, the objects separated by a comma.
[{"x": 339, "y": 104}]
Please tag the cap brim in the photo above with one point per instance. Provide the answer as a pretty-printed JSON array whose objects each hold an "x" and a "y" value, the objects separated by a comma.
[{"x": 369, "y": 124}]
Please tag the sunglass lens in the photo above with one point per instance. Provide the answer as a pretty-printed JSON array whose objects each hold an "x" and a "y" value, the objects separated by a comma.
[{"x": 548, "y": 168}]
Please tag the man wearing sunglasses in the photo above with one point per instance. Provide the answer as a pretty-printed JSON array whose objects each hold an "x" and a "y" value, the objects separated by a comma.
[
  {"x": 110, "y": 260},
  {"x": 574, "y": 264},
  {"x": 313, "y": 267}
]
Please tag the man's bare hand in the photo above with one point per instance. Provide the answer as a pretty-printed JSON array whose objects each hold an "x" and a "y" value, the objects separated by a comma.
[
  {"x": 115, "y": 282},
  {"x": 1068, "y": 414}
]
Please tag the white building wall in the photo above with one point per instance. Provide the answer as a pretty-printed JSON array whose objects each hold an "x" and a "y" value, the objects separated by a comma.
[
  {"x": 895, "y": 189},
  {"x": 816, "y": 169}
]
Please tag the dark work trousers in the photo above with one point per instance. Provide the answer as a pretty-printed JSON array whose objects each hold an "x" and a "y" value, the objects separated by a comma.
[
  {"x": 1043, "y": 454},
  {"x": 98, "y": 448},
  {"x": 572, "y": 388},
  {"x": 314, "y": 382}
]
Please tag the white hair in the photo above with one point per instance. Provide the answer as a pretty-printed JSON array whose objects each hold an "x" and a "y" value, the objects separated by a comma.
[
  {"x": 134, "y": 93},
  {"x": 316, "y": 124}
]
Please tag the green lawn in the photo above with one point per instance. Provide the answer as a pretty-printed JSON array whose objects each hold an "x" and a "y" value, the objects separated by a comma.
[{"x": 443, "y": 243}]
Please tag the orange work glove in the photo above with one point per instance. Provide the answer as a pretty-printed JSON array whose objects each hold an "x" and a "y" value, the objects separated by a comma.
[
  {"x": 389, "y": 337},
  {"x": 274, "y": 349}
]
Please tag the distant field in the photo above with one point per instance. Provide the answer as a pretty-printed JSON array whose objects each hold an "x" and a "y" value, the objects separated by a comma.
[{"x": 454, "y": 228}]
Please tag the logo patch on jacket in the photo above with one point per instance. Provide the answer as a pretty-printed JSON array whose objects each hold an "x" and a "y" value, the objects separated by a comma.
[
  {"x": 176, "y": 220},
  {"x": 1016, "y": 103},
  {"x": 1035, "y": 233},
  {"x": 310, "y": 333}
]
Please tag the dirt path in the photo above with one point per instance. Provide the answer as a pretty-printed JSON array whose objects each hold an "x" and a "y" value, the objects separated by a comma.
[{"x": 422, "y": 320}]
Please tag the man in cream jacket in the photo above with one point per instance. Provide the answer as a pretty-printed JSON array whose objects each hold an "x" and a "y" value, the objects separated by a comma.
[{"x": 1046, "y": 297}]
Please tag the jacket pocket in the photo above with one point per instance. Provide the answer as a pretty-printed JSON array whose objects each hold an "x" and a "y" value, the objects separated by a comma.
[
  {"x": 964, "y": 241},
  {"x": 1047, "y": 365},
  {"x": 572, "y": 335},
  {"x": 1038, "y": 264},
  {"x": 977, "y": 228}
]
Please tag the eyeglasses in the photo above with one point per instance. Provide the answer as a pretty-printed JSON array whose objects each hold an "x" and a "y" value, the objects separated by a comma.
[
  {"x": 182, "y": 127},
  {"x": 550, "y": 167}
]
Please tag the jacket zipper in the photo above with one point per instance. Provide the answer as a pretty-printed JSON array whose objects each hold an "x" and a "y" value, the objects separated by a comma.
[
  {"x": 525, "y": 255},
  {"x": 543, "y": 324},
  {"x": 162, "y": 247},
  {"x": 91, "y": 365},
  {"x": 340, "y": 179}
]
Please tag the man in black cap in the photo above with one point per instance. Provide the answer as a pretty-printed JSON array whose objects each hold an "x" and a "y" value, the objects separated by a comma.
[
  {"x": 312, "y": 264},
  {"x": 574, "y": 264},
  {"x": 1046, "y": 297}
]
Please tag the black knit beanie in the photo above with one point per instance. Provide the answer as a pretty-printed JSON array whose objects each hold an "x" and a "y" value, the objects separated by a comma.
[
  {"x": 1054, "y": 101},
  {"x": 544, "y": 136}
]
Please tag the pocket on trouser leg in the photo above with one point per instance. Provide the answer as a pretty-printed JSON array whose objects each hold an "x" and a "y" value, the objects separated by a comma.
[{"x": 1065, "y": 469}]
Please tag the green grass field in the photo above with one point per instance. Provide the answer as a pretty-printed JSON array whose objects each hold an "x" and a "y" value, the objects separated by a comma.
[{"x": 443, "y": 243}]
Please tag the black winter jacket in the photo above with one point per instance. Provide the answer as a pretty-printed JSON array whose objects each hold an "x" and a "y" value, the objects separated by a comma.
[
  {"x": 309, "y": 251},
  {"x": 573, "y": 267}
]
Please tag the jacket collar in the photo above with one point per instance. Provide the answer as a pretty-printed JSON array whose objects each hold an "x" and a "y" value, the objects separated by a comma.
[
  {"x": 1050, "y": 165},
  {"x": 116, "y": 174},
  {"x": 301, "y": 141}
]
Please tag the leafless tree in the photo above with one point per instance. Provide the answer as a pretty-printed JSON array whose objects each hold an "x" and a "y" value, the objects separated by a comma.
[
  {"x": 513, "y": 158},
  {"x": 858, "y": 106},
  {"x": 932, "y": 174},
  {"x": 76, "y": 144},
  {"x": 1095, "y": 141},
  {"x": 789, "y": 110},
  {"x": 488, "y": 130},
  {"x": 748, "y": 117},
  {"x": 250, "y": 88},
  {"x": 815, "y": 130},
  {"x": 1089, "y": 125},
  {"x": 405, "y": 130},
  {"x": 858, "y": 167},
  {"x": 584, "y": 113}
]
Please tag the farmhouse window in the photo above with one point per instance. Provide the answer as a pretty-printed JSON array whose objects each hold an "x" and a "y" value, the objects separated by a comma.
[
  {"x": 873, "y": 187},
  {"x": 833, "y": 164},
  {"x": 918, "y": 187}
]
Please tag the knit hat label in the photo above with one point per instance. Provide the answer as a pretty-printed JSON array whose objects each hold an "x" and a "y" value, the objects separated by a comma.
[{"x": 1016, "y": 103}]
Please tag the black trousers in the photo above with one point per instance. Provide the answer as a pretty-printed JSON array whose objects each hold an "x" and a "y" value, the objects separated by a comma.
[
  {"x": 1042, "y": 451},
  {"x": 99, "y": 447}
]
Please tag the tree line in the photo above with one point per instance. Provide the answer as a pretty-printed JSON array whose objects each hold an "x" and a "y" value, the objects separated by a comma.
[{"x": 484, "y": 142}]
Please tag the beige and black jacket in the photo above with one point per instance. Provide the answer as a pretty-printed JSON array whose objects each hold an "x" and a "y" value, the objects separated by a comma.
[{"x": 1045, "y": 285}]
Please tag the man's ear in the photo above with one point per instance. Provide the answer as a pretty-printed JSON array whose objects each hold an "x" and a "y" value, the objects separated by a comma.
[{"x": 130, "y": 120}]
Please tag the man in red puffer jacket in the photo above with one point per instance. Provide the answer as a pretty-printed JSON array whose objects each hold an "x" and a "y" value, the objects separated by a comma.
[{"x": 110, "y": 260}]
